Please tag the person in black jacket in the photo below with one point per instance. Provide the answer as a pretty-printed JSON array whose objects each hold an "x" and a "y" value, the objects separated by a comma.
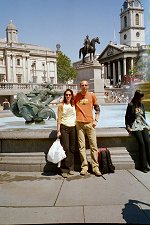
[{"x": 136, "y": 124}]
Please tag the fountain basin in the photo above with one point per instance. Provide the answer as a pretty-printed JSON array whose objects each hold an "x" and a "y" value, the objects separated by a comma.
[
  {"x": 26, "y": 150},
  {"x": 24, "y": 147},
  {"x": 111, "y": 115}
]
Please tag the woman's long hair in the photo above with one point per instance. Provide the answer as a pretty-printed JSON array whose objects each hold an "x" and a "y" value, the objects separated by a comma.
[
  {"x": 72, "y": 98},
  {"x": 136, "y": 100}
]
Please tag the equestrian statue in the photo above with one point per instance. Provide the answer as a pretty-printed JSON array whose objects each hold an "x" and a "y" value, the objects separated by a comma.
[{"x": 89, "y": 47}]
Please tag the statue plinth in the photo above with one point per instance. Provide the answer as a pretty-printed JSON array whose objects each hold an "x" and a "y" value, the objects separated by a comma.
[{"x": 92, "y": 72}]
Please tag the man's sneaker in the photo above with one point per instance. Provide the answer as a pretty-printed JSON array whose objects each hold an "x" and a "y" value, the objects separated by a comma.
[
  {"x": 64, "y": 175},
  {"x": 83, "y": 172},
  {"x": 71, "y": 172},
  {"x": 97, "y": 172}
]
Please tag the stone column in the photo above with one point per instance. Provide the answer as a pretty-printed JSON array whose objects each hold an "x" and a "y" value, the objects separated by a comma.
[
  {"x": 131, "y": 63},
  {"x": 105, "y": 72},
  {"x": 24, "y": 78},
  {"x": 114, "y": 74},
  {"x": 48, "y": 71},
  {"x": 124, "y": 66},
  {"x": 13, "y": 76},
  {"x": 119, "y": 70},
  {"x": 109, "y": 70},
  {"x": 8, "y": 71},
  {"x": 55, "y": 73},
  {"x": 28, "y": 70}
]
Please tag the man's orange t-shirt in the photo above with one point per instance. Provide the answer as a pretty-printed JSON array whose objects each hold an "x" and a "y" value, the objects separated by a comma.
[{"x": 84, "y": 107}]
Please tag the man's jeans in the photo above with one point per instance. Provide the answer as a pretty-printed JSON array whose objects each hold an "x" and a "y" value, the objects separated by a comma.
[{"x": 82, "y": 130}]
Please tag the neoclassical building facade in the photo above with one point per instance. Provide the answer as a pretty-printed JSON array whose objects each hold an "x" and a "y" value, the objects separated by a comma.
[
  {"x": 25, "y": 63},
  {"x": 119, "y": 59}
]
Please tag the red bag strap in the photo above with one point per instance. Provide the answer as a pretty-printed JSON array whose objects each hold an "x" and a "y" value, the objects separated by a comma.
[{"x": 103, "y": 147}]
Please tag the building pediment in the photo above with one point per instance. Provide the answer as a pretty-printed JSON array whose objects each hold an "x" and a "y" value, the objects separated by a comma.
[{"x": 110, "y": 51}]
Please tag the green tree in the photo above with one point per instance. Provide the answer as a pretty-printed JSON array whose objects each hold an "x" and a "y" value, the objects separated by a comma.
[
  {"x": 141, "y": 66},
  {"x": 65, "y": 71},
  {"x": 148, "y": 60},
  {"x": 133, "y": 71}
]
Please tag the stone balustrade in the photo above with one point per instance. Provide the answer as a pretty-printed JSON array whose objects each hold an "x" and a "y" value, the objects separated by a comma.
[{"x": 14, "y": 88}]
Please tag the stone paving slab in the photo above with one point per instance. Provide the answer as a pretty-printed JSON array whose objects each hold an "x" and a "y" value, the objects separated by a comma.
[
  {"x": 143, "y": 178},
  {"x": 115, "y": 214},
  {"x": 35, "y": 198},
  {"x": 88, "y": 214},
  {"x": 118, "y": 188},
  {"x": 41, "y": 215},
  {"x": 16, "y": 190}
]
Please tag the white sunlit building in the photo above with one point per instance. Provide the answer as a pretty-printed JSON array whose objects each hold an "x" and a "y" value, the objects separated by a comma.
[
  {"x": 120, "y": 59},
  {"x": 25, "y": 63}
]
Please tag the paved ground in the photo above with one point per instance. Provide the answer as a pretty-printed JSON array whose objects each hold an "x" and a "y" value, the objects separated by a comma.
[{"x": 35, "y": 198}]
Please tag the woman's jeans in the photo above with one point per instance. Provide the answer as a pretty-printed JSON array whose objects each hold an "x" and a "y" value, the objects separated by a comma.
[
  {"x": 143, "y": 139},
  {"x": 67, "y": 140}
]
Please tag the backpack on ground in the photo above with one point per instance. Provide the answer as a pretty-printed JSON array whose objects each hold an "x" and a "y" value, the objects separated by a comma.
[{"x": 105, "y": 162}]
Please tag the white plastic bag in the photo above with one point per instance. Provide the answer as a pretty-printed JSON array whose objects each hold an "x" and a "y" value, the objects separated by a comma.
[{"x": 56, "y": 152}]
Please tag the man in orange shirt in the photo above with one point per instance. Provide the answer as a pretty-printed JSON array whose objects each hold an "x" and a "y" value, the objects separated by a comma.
[{"x": 85, "y": 124}]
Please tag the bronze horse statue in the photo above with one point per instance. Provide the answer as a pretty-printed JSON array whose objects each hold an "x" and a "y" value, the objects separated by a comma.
[{"x": 91, "y": 49}]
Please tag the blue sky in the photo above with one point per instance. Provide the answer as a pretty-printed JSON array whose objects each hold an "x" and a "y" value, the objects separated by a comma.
[{"x": 67, "y": 22}]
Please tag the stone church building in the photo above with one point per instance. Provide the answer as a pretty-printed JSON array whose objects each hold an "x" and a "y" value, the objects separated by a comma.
[
  {"x": 25, "y": 63},
  {"x": 119, "y": 59}
]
